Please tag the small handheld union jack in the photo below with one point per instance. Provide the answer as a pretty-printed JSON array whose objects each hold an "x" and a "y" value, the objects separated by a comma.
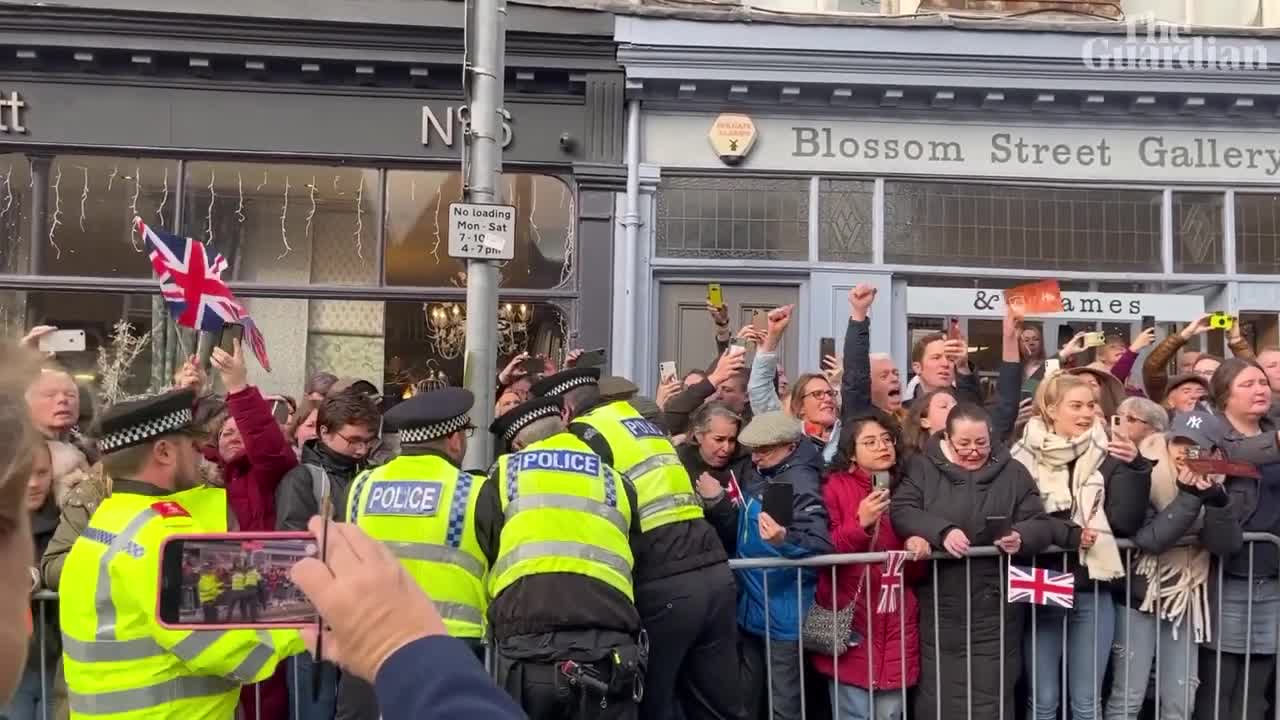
[
  {"x": 891, "y": 583},
  {"x": 1041, "y": 587},
  {"x": 191, "y": 285}
]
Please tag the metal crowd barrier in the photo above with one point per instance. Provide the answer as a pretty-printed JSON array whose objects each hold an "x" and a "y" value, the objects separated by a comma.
[{"x": 829, "y": 563}]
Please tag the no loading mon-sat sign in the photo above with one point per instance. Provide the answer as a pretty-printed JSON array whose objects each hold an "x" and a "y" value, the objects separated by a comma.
[{"x": 482, "y": 232}]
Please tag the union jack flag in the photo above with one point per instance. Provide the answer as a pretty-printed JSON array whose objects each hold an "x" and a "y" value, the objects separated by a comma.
[
  {"x": 732, "y": 491},
  {"x": 891, "y": 583},
  {"x": 191, "y": 285},
  {"x": 1041, "y": 587}
]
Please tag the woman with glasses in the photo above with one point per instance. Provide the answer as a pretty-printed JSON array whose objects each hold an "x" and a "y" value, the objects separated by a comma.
[
  {"x": 869, "y": 681},
  {"x": 1096, "y": 487},
  {"x": 964, "y": 490}
]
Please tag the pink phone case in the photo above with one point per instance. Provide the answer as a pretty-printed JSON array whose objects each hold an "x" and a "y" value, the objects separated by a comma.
[{"x": 242, "y": 536}]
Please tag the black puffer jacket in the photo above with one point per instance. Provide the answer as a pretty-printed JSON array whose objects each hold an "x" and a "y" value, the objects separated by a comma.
[
  {"x": 296, "y": 500},
  {"x": 933, "y": 497}
]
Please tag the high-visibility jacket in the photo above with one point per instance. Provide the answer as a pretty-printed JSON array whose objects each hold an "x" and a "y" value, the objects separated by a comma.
[
  {"x": 119, "y": 663},
  {"x": 566, "y": 511},
  {"x": 209, "y": 587},
  {"x": 644, "y": 453},
  {"x": 237, "y": 580},
  {"x": 251, "y": 579},
  {"x": 423, "y": 508}
]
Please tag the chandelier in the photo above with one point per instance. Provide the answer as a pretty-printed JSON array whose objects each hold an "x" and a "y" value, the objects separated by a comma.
[{"x": 447, "y": 328}]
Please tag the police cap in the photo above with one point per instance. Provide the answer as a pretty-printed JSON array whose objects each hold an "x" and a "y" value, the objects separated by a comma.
[
  {"x": 431, "y": 415},
  {"x": 522, "y": 416},
  {"x": 564, "y": 381},
  {"x": 127, "y": 424}
]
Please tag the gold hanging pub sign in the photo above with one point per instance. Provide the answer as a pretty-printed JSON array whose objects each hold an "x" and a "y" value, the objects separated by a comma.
[{"x": 732, "y": 137}]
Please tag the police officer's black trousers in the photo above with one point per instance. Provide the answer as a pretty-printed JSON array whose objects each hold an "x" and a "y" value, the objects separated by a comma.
[
  {"x": 544, "y": 693},
  {"x": 691, "y": 620}
]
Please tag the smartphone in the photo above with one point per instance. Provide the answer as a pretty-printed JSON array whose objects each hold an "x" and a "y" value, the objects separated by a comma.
[
  {"x": 1148, "y": 321},
  {"x": 63, "y": 341},
  {"x": 737, "y": 347},
  {"x": 199, "y": 575},
  {"x": 760, "y": 320},
  {"x": 881, "y": 480},
  {"x": 826, "y": 346},
  {"x": 591, "y": 358},
  {"x": 1094, "y": 339},
  {"x": 1052, "y": 366},
  {"x": 715, "y": 296},
  {"x": 998, "y": 526},
  {"x": 1115, "y": 424},
  {"x": 666, "y": 371},
  {"x": 1221, "y": 321},
  {"x": 953, "y": 331},
  {"x": 230, "y": 333},
  {"x": 778, "y": 502},
  {"x": 280, "y": 411}
]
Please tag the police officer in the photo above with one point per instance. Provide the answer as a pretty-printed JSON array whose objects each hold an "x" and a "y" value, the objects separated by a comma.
[
  {"x": 423, "y": 507},
  {"x": 253, "y": 591},
  {"x": 567, "y": 635},
  {"x": 685, "y": 591},
  {"x": 237, "y": 592},
  {"x": 210, "y": 588},
  {"x": 118, "y": 661}
]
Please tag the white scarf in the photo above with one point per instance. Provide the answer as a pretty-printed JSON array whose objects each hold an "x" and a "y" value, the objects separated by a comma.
[
  {"x": 1177, "y": 579},
  {"x": 1083, "y": 491}
]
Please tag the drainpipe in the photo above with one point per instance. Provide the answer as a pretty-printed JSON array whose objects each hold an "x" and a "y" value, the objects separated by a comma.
[{"x": 630, "y": 246}]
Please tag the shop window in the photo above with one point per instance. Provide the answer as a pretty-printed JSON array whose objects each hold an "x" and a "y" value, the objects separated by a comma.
[
  {"x": 418, "y": 230},
  {"x": 15, "y": 214},
  {"x": 91, "y": 203},
  {"x": 296, "y": 224},
  {"x": 733, "y": 217},
  {"x": 1197, "y": 232},
  {"x": 424, "y": 340},
  {"x": 1035, "y": 228},
  {"x": 845, "y": 209},
  {"x": 1258, "y": 233}
]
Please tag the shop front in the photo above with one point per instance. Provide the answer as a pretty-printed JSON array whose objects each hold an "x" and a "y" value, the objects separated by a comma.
[
  {"x": 942, "y": 178},
  {"x": 323, "y": 173}
]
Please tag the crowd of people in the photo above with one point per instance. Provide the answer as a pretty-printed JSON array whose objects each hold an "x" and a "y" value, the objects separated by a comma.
[{"x": 1078, "y": 464}]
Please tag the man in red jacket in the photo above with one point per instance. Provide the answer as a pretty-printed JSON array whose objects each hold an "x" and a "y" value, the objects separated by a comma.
[{"x": 253, "y": 456}]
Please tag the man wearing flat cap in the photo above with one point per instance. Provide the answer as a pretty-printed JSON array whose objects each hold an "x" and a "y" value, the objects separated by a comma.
[
  {"x": 118, "y": 660},
  {"x": 567, "y": 633},
  {"x": 424, "y": 508},
  {"x": 684, "y": 589}
]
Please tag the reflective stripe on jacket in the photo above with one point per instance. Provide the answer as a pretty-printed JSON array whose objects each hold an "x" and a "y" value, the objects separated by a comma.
[
  {"x": 119, "y": 663},
  {"x": 644, "y": 453},
  {"x": 423, "y": 508},
  {"x": 566, "y": 511}
]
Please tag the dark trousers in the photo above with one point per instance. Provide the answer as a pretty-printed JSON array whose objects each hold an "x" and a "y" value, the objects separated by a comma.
[
  {"x": 357, "y": 699},
  {"x": 1226, "y": 690},
  {"x": 693, "y": 639},
  {"x": 211, "y": 612},
  {"x": 776, "y": 674},
  {"x": 544, "y": 694}
]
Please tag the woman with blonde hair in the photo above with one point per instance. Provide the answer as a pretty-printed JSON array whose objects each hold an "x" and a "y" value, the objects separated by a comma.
[{"x": 1096, "y": 487}]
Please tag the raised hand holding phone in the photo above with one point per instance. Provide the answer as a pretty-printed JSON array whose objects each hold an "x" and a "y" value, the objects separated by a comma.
[{"x": 232, "y": 368}]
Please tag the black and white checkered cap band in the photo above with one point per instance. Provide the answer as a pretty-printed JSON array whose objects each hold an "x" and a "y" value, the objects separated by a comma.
[
  {"x": 532, "y": 416},
  {"x": 142, "y": 432},
  {"x": 434, "y": 431},
  {"x": 571, "y": 383}
]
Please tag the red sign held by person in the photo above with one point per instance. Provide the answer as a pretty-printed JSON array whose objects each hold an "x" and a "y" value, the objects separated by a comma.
[{"x": 1037, "y": 298}]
